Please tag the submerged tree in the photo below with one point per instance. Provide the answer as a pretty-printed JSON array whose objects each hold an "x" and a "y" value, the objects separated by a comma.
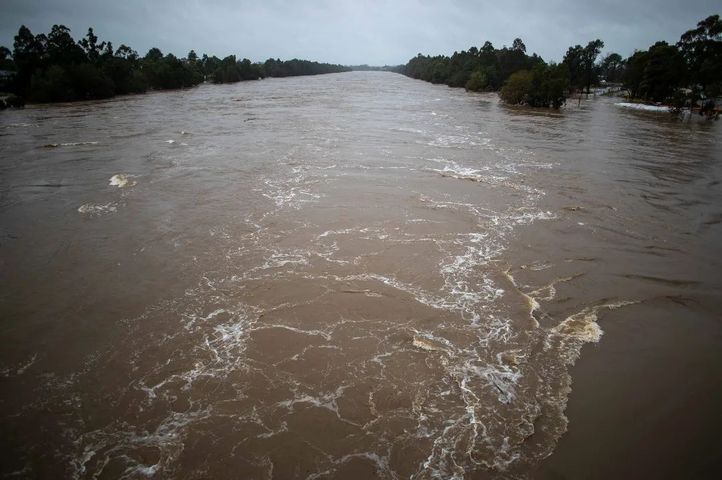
[
  {"x": 611, "y": 68},
  {"x": 580, "y": 61},
  {"x": 542, "y": 86},
  {"x": 517, "y": 87}
]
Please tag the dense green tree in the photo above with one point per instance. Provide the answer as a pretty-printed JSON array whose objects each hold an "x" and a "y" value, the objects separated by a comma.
[
  {"x": 487, "y": 55},
  {"x": 6, "y": 60},
  {"x": 52, "y": 85},
  {"x": 209, "y": 64},
  {"x": 701, "y": 48},
  {"x": 295, "y": 67},
  {"x": 518, "y": 45},
  {"x": 91, "y": 46},
  {"x": 549, "y": 86},
  {"x": 230, "y": 70},
  {"x": 227, "y": 71},
  {"x": 589, "y": 58},
  {"x": 168, "y": 71},
  {"x": 126, "y": 53},
  {"x": 28, "y": 55},
  {"x": 664, "y": 72},
  {"x": 478, "y": 81},
  {"x": 90, "y": 82},
  {"x": 61, "y": 49},
  {"x": 573, "y": 61},
  {"x": 634, "y": 72},
  {"x": 517, "y": 87},
  {"x": 125, "y": 73},
  {"x": 494, "y": 66},
  {"x": 510, "y": 60},
  {"x": 153, "y": 55},
  {"x": 611, "y": 68},
  {"x": 580, "y": 62},
  {"x": 57, "y": 68},
  {"x": 542, "y": 86},
  {"x": 655, "y": 74}
]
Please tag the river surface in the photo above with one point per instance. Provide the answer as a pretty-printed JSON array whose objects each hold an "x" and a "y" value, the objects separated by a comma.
[{"x": 351, "y": 276}]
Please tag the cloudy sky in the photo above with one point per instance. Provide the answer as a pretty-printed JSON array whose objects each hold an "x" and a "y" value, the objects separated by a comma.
[{"x": 376, "y": 32}]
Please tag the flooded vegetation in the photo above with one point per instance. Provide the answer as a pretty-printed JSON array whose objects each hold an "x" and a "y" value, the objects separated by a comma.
[{"x": 354, "y": 276}]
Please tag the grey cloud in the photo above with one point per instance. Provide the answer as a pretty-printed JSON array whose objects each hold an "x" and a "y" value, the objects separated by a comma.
[{"x": 352, "y": 32}]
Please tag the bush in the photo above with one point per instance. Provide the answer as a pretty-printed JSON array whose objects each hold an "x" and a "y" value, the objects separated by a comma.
[
  {"x": 549, "y": 86},
  {"x": 89, "y": 82},
  {"x": 52, "y": 85},
  {"x": 477, "y": 82},
  {"x": 517, "y": 87},
  {"x": 543, "y": 86}
]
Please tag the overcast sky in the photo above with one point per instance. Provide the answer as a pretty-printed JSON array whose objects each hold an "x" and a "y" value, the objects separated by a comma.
[{"x": 376, "y": 32}]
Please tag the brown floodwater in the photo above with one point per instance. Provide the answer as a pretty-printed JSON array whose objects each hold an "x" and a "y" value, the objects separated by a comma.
[{"x": 358, "y": 276}]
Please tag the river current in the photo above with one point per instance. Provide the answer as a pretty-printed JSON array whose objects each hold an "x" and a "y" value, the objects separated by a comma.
[{"x": 350, "y": 276}]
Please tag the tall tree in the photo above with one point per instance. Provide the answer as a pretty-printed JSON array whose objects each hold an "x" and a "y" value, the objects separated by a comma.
[
  {"x": 29, "y": 54},
  {"x": 90, "y": 45},
  {"x": 62, "y": 49},
  {"x": 573, "y": 62},
  {"x": 589, "y": 57},
  {"x": 612, "y": 67},
  {"x": 664, "y": 72},
  {"x": 518, "y": 45},
  {"x": 154, "y": 54},
  {"x": 702, "y": 50},
  {"x": 634, "y": 72},
  {"x": 581, "y": 64}
]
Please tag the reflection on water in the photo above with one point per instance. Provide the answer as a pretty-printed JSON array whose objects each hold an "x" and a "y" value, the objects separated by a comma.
[{"x": 332, "y": 277}]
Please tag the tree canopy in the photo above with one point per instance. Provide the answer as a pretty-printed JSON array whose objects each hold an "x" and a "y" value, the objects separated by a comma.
[
  {"x": 525, "y": 78},
  {"x": 54, "y": 67},
  {"x": 687, "y": 71}
]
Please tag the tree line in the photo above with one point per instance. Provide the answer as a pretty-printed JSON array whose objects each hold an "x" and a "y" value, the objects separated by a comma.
[
  {"x": 675, "y": 74},
  {"x": 56, "y": 68}
]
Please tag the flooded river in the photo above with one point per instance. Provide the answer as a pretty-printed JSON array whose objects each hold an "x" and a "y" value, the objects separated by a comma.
[{"x": 357, "y": 276}]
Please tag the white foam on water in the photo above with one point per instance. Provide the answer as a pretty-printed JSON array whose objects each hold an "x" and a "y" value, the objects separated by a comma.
[
  {"x": 75, "y": 144},
  {"x": 7, "y": 372},
  {"x": 644, "y": 107},
  {"x": 281, "y": 259},
  {"x": 409, "y": 130},
  {"x": 320, "y": 333},
  {"x": 292, "y": 192},
  {"x": 548, "y": 292},
  {"x": 20, "y": 125},
  {"x": 121, "y": 180},
  {"x": 478, "y": 415},
  {"x": 452, "y": 141},
  {"x": 94, "y": 209},
  {"x": 69, "y": 144},
  {"x": 582, "y": 327},
  {"x": 117, "y": 442},
  {"x": 23, "y": 368}
]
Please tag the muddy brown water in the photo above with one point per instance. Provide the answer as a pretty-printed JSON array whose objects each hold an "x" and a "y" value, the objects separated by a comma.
[{"x": 358, "y": 276}]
